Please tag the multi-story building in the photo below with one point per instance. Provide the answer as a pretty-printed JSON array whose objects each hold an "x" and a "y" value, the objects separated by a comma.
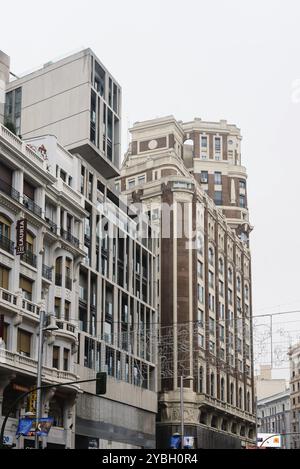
[
  {"x": 273, "y": 416},
  {"x": 45, "y": 277},
  {"x": 294, "y": 354},
  {"x": 76, "y": 102},
  {"x": 204, "y": 283}
]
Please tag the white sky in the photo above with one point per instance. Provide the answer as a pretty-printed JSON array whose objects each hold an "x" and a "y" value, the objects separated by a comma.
[{"x": 214, "y": 59}]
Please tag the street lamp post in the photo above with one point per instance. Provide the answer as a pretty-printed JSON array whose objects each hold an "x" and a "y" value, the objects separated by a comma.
[
  {"x": 42, "y": 328},
  {"x": 190, "y": 378}
]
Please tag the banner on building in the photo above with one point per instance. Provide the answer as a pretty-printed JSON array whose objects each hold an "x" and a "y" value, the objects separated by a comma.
[
  {"x": 30, "y": 427},
  {"x": 21, "y": 236}
]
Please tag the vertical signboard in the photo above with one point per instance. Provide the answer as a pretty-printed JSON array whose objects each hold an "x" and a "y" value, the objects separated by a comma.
[{"x": 21, "y": 236}]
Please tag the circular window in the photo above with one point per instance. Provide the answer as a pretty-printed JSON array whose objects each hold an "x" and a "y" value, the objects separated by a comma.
[{"x": 152, "y": 144}]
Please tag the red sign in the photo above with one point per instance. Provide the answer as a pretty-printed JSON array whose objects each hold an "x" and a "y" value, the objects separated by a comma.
[{"x": 21, "y": 236}]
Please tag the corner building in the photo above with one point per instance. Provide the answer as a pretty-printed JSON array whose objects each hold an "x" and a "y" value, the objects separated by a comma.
[
  {"x": 71, "y": 108},
  {"x": 204, "y": 277}
]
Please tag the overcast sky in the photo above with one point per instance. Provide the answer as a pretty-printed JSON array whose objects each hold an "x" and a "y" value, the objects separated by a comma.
[{"x": 214, "y": 59}]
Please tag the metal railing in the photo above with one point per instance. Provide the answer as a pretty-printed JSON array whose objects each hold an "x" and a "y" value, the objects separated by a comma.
[
  {"x": 31, "y": 205},
  {"x": 9, "y": 190},
  {"x": 47, "y": 272},
  {"x": 29, "y": 258},
  {"x": 67, "y": 236},
  {"x": 6, "y": 244}
]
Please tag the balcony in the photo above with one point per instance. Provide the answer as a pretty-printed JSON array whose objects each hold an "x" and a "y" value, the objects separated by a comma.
[
  {"x": 29, "y": 365},
  {"x": 47, "y": 272},
  {"x": 33, "y": 207},
  {"x": 30, "y": 307},
  {"x": 29, "y": 258},
  {"x": 225, "y": 407},
  {"x": 66, "y": 326},
  {"x": 7, "y": 245},
  {"x": 18, "y": 303},
  {"x": 8, "y": 297},
  {"x": 9, "y": 190},
  {"x": 53, "y": 226},
  {"x": 67, "y": 236}
]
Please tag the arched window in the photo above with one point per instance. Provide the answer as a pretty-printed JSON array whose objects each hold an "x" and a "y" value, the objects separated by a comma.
[
  {"x": 211, "y": 256},
  {"x": 240, "y": 398},
  {"x": 238, "y": 284},
  {"x": 212, "y": 385},
  {"x": 68, "y": 276},
  {"x": 221, "y": 266},
  {"x": 230, "y": 274},
  {"x": 248, "y": 402},
  {"x": 232, "y": 394},
  {"x": 222, "y": 389}
]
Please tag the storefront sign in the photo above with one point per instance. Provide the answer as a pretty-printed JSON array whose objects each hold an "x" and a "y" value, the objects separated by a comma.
[{"x": 21, "y": 236}]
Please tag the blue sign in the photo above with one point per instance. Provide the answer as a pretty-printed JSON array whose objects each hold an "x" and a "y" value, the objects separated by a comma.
[
  {"x": 30, "y": 427},
  {"x": 175, "y": 442}
]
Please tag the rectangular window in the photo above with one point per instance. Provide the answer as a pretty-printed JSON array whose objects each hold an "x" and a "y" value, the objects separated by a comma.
[
  {"x": 211, "y": 302},
  {"x": 55, "y": 357},
  {"x": 204, "y": 177},
  {"x": 67, "y": 310},
  {"x": 242, "y": 184},
  {"x": 200, "y": 317},
  {"x": 66, "y": 359},
  {"x": 229, "y": 296},
  {"x": 218, "y": 178},
  {"x": 211, "y": 279},
  {"x": 211, "y": 346},
  {"x": 141, "y": 180},
  {"x": 131, "y": 183},
  {"x": 200, "y": 294},
  {"x": 217, "y": 144},
  {"x": 57, "y": 303},
  {"x": 26, "y": 287},
  {"x": 242, "y": 201},
  {"x": 204, "y": 142},
  {"x": 221, "y": 288},
  {"x": 24, "y": 342},
  {"x": 218, "y": 197},
  {"x": 200, "y": 340},
  {"x": 200, "y": 269},
  {"x": 4, "y": 274},
  {"x": 222, "y": 334},
  {"x": 212, "y": 326}
]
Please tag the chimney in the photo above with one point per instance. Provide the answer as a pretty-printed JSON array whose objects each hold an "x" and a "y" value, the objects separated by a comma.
[{"x": 4, "y": 78}]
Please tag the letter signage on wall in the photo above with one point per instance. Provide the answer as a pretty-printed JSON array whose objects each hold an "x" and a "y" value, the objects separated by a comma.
[{"x": 21, "y": 236}]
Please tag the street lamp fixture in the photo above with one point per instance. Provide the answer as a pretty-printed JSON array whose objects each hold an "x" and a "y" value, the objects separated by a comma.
[
  {"x": 190, "y": 378},
  {"x": 51, "y": 327}
]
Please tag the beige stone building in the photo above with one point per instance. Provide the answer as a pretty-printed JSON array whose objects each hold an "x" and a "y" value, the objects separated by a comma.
[
  {"x": 175, "y": 170},
  {"x": 294, "y": 354}
]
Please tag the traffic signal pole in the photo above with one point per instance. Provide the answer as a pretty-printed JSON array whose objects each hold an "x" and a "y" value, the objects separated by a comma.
[{"x": 39, "y": 388}]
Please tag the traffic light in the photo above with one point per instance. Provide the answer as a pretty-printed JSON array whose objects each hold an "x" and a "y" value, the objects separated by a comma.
[{"x": 101, "y": 383}]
